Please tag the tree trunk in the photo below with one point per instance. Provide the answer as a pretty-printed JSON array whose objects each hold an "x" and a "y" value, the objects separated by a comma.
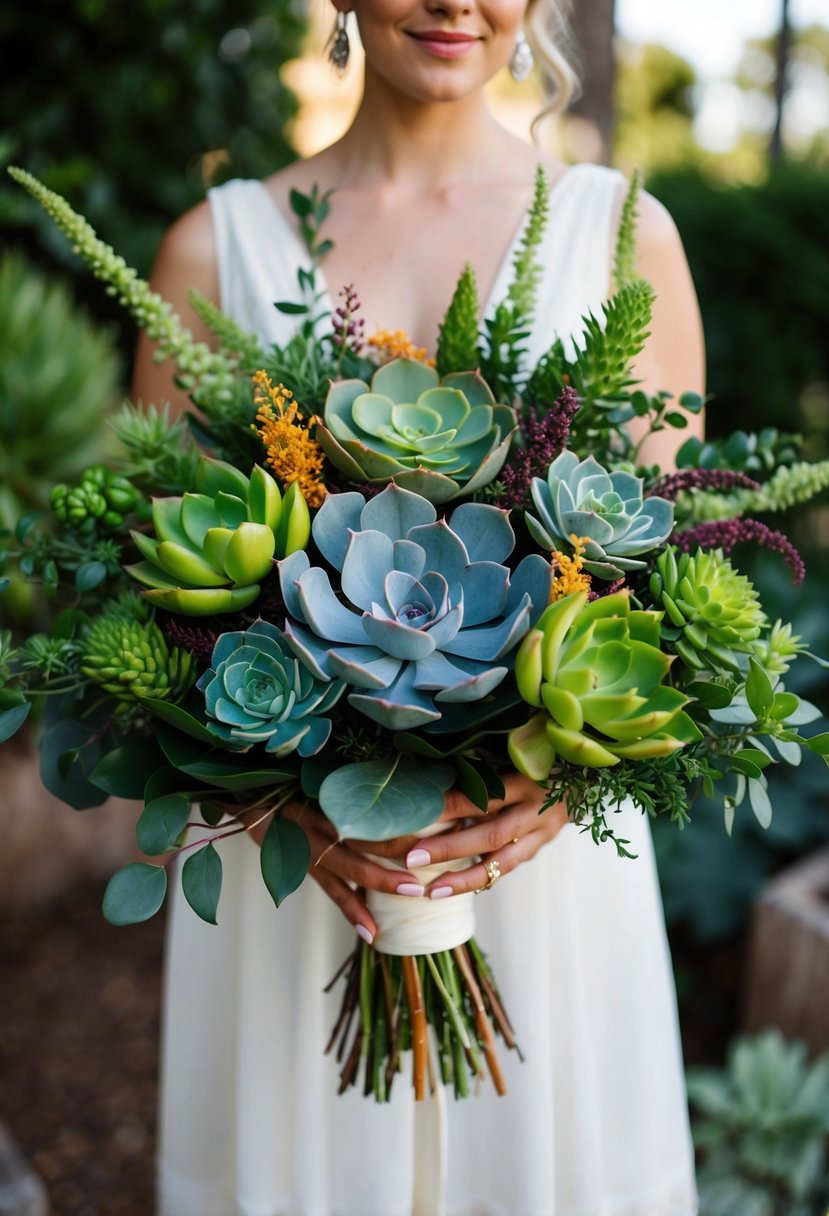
[
  {"x": 781, "y": 81},
  {"x": 593, "y": 29}
]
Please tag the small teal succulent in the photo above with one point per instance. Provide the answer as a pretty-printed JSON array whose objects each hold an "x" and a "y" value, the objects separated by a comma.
[
  {"x": 442, "y": 439},
  {"x": 256, "y": 691},
  {"x": 423, "y": 614},
  {"x": 607, "y": 510}
]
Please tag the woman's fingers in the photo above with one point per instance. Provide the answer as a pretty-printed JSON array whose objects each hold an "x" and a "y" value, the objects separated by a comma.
[
  {"x": 349, "y": 901},
  {"x": 354, "y": 867}
]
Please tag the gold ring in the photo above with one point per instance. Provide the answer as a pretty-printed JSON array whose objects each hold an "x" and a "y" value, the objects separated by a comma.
[{"x": 493, "y": 870}]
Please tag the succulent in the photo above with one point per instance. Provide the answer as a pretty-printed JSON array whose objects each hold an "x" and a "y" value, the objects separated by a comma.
[
  {"x": 257, "y": 691},
  {"x": 439, "y": 438},
  {"x": 214, "y": 547},
  {"x": 596, "y": 672},
  {"x": 101, "y": 495},
  {"x": 428, "y": 615},
  {"x": 131, "y": 659},
  {"x": 606, "y": 510},
  {"x": 715, "y": 611}
]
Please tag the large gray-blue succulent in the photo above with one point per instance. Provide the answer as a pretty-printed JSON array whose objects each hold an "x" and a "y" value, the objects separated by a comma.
[
  {"x": 424, "y": 613},
  {"x": 607, "y": 510},
  {"x": 257, "y": 691}
]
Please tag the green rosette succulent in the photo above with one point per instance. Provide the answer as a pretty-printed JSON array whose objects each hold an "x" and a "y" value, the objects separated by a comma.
[
  {"x": 257, "y": 691},
  {"x": 442, "y": 439},
  {"x": 714, "y": 615},
  {"x": 607, "y": 510},
  {"x": 131, "y": 660},
  {"x": 596, "y": 673},
  {"x": 214, "y": 547},
  {"x": 422, "y": 616}
]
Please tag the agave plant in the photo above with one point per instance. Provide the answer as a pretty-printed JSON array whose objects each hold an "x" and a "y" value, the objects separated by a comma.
[
  {"x": 428, "y": 615},
  {"x": 442, "y": 439},
  {"x": 257, "y": 691},
  {"x": 605, "y": 510},
  {"x": 214, "y": 547},
  {"x": 596, "y": 672},
  {"x": 715, "y": 611}
]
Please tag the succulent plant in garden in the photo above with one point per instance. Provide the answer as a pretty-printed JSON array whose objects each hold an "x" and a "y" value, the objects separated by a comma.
[
  {"x": 596, "y": 672},
  {"x": 714, "y": 616},
  {"x": 428, "y": 615},
  {"x": 606, "y": 510},
  {"x": 257, "y": 691},
  {"x": 131, "y": 660},
  {"x": 439, "y": 438},
  {"x": 214, "y": 547}
]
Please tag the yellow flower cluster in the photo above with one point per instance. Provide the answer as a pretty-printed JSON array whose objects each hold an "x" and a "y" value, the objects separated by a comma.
[
  {"x": 292, "y": 453},
  {"x": 570, "y": 574},
  {"x": 395, "y": 344}
]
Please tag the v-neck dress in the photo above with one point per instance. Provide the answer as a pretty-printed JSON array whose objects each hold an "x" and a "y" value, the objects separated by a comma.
[{"x": 595, "y": 1121}]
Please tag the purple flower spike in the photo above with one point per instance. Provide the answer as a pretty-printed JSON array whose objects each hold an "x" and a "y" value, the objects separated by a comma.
[
  {"x": 685, "y": 480},
  {"x": 728, "y": 533},
  {"x": 544, "y": 439}
]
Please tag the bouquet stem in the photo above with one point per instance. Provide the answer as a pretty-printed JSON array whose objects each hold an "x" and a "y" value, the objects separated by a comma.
[{"x": 446, "y": 1002}]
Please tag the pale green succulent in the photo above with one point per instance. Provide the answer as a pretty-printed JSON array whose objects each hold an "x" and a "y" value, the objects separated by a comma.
[
  {"x": 257, "y": 691},
  {"x": 605, "y": 510},
  {"x": 595, "y": 671},
  {"x": 442, "y": 439},
  {"x": 215, "y": 547},
  {"x": 715, "y": 611}
]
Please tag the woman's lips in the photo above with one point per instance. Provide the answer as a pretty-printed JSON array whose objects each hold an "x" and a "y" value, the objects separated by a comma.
[{"x": 444, "y": 44}]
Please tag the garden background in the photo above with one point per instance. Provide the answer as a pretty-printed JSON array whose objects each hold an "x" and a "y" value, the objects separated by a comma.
[{"x": 131, "y": 111}]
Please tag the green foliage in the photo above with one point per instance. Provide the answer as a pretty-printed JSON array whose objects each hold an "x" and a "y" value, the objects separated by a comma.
[
  {"x": 788, "y": 487},
  {"x": 58, "y": 378},
  {"x": 458, "y": 336},
  {"x": 379, "y": 799},
  {"x": 763, "y": 1130},
  {"x": 229, "y": 335},
  {"x": 199, "y": 80},
  {"x": 624, "y": 261},
  {"x": 527, "y": 269}
]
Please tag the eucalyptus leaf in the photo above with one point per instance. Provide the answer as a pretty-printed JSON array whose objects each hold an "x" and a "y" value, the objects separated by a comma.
[
  {"x": 760, "y": 803},
  {"x": 161, "y": 823},
  {"x": 124, "y": 772},
  {"x": 285, "y": 856},
  {"x": 471, "y": 783},
  {"x": 12, "y": 719},
  {"x": 90, "y": 575},
  {"x": 181, "y": 718},
  {"x": 379, "y": 799},
  {"x": 135, "y": 893},
  {"x": 201, "y": 882}
]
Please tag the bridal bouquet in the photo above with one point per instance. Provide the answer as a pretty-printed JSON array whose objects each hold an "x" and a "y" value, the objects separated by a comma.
[{"x": 360, "y": 577}]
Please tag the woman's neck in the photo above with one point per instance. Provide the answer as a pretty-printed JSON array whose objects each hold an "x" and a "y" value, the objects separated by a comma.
[{"x": 410, "y": 147}]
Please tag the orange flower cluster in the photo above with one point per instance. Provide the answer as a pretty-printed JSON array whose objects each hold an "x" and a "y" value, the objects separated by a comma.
[
  {"x": 292, "y": 453},
  {"x": 570, "y": 574},
  {"x": 395, "y": 344}
]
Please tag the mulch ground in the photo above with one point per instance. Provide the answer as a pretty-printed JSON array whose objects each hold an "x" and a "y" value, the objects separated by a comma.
[{"x": 79, "y": 1055}]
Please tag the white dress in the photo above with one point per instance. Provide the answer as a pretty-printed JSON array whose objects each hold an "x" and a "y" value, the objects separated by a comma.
[{"x": 595, "y": 1121}]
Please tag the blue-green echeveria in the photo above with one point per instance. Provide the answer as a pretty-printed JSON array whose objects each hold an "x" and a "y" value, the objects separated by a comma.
[
  {"x": 213, "y": 548},
  {"x": 607, "y": 510},
  {"x": 595, "y": 671},
  {"x": 442, "y": 439},
  {"x": 256, "y": 691},
  {"x": 423, "y": 614}
]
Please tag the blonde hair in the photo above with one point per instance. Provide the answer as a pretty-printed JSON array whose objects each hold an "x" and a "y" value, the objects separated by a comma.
[{"x": 548, "y": 33}]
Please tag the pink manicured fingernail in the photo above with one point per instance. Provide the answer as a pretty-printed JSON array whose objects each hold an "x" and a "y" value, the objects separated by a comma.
[
  {"x": 364, "y": 933},
  {"x": 441, "y": 892},
  {"x": 410, "y": 888},
  {"x": 418, "y": 857}
]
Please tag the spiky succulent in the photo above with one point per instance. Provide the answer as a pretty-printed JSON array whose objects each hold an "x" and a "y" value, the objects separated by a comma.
[
  {"x": 714, "y": 611},
  {"x": 214, "y": 547},
  {"x": 257, "y": 691},
  {"x": 441, "y": 439},
  {"x": 131, "y": 660},
  {"x": 607, "y": 510},
  {"x": 595, "y": 671},
  {"x": 423, "y": 614}
]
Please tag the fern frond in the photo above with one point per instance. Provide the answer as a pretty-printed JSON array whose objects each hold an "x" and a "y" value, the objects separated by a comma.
[
  {"x": 207, "y": 375},
  {"x": 232, "y": 339},
  {"x": 458, "y": 337},
  {"x": 624, "y": 261}
]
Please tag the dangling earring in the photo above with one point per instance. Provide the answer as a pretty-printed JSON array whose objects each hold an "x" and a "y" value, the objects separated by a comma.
[
  {"x": 340, "y": 47},
  {"x": 521, "y": 60}
]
